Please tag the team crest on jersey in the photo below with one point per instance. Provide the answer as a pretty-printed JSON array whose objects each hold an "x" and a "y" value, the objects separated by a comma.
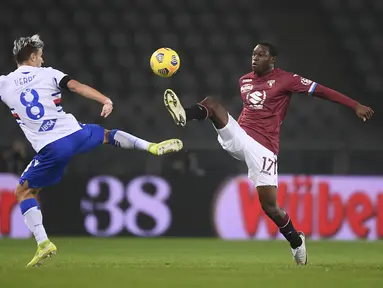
[
  {"x": 305, "y": 81},
  {"x": 246, "y": 88},
  {"x": 271, "y": 83}
]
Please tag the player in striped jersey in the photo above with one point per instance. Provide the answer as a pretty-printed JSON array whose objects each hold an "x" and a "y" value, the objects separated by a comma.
[{"x": 33, "y": 94}]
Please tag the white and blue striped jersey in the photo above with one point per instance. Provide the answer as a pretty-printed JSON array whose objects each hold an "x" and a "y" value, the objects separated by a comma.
[{"x": 33, "y": 95}]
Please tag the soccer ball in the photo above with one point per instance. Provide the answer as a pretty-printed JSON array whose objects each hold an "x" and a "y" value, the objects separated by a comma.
[{"x": 165, "y": 62}]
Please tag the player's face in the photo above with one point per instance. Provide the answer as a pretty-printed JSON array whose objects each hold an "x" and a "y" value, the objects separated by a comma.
[
  {"x": 261, "y": 60},
  {"x": 37, "y": 58}
]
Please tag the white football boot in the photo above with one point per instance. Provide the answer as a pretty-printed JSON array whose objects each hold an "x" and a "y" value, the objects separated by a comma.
[
  {"x": 300, "y": 253},
  {"x": 174, "y": 107}
]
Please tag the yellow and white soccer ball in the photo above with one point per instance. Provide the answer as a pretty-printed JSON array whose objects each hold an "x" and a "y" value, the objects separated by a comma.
[{"x": 165, "y": 62}]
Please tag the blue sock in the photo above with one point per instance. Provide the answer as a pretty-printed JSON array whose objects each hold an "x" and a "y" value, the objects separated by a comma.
[
  {"x": 28, "y": 204},
  {"x": 125, "y": 140}
]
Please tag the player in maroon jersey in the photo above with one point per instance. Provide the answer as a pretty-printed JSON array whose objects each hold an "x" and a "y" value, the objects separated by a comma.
[{"x": 266, "y": 94}]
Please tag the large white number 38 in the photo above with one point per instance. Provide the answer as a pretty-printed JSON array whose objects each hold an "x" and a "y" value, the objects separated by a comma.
[{"x": 139, "y": 201}]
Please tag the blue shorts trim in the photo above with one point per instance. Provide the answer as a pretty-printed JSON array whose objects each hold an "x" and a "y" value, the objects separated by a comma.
[{"x": 48, "y": 166}]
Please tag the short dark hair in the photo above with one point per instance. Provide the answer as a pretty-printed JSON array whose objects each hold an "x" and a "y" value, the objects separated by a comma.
[
  {"x": 23, "y": 47},
  {"x": 272, "y": 49}
]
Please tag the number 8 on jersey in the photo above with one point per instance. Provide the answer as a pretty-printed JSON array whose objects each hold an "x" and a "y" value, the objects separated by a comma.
[{"x": 35, "y": 110}]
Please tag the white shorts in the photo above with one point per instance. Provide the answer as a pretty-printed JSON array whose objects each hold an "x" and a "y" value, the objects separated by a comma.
[{"x": 261, "y": 162}]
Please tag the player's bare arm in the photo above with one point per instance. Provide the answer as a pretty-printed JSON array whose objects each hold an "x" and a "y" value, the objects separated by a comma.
[{"x": 91, "y": 93}]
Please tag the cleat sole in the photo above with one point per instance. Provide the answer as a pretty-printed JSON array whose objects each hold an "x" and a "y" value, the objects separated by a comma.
[{"x": 172, "y": 104}]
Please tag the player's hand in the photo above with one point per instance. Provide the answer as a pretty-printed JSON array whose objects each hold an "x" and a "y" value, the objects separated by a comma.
[
  {"x": 363, "y": 112},
  {"x": 107, "y": 109}
]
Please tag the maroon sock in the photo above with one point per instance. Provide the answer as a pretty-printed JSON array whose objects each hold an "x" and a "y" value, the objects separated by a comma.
[{"x": 197, "y": 112}]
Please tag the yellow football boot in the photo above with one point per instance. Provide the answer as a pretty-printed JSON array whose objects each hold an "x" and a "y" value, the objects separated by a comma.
[{"x": 45, "y": 250}]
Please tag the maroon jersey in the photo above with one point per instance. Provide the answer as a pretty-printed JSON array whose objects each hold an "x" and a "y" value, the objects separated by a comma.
[{"x": 266, "y": 100}]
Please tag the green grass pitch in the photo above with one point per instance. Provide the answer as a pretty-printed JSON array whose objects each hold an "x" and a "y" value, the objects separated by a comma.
[{"x": 183, "y": 263}]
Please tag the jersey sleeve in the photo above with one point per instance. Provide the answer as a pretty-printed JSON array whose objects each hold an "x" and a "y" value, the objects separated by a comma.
[
  {"x": 56, "y": 75},
  {"x": 299, "y": 84}
]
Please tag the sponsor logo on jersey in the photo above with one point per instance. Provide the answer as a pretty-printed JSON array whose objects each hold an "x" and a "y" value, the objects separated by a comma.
[
  {"x": 47, "y": 125},
  {"x": 247, "y": 80},
  {"x": 246, "y": 88},
  {"x": 256, "y": 99}
]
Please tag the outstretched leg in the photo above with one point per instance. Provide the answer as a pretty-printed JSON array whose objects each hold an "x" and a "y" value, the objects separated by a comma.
[
  {"x": 206, "y": 109},
  {"x": 33, "y": 218},
  {"x": 268, "y": 199},
  {"x": 226, "y": 127},
  {"x": 125, "y": 140}
]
